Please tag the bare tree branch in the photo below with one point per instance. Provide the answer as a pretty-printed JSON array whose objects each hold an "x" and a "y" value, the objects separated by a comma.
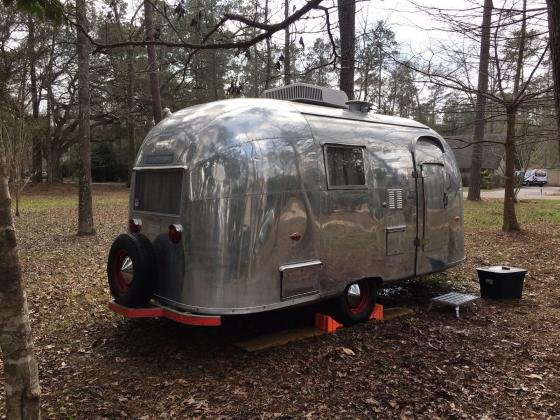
[{"x": 268, "y": 31}]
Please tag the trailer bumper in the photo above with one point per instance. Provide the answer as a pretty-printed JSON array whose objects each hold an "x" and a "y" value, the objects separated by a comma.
[{"x": 153, "y": 311}]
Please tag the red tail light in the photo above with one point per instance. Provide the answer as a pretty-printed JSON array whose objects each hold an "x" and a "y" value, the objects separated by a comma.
[
  {"x": 134, "y": 225},
  {"x": 175, "y": 233}
]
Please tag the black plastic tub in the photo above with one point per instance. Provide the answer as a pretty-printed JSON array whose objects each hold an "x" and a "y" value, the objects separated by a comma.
[{"x": 501, "y": 282}]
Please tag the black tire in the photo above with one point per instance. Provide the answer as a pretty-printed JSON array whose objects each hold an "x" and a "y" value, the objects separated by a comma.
[
  {"x": 347, "y": 313},
  {"x": 134, "y": 289}
]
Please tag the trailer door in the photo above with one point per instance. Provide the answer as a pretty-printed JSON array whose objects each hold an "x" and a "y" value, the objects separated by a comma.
[{"x": 433, "y": 222}]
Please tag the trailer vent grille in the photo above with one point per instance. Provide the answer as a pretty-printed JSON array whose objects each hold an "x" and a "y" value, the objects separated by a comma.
[
  {"x": 395, "y": 199},
  {"x": 303, "y": 92},
  {"x": 294, "y": 92}
]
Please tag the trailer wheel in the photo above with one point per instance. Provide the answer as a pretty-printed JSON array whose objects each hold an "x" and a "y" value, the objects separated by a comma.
[
  {"x": 131, "y": 269},
  {"x": 356, "y": 303}
]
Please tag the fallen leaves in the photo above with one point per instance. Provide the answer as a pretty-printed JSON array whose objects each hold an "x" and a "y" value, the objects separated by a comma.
[
  {"x": 534, "y": 376},
  {"x": 499, "y": 360},
  {"x": 347, "y": 351}
]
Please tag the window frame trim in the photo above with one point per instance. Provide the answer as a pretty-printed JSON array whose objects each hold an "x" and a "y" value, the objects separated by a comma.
[{"x": 363, "y": 186}]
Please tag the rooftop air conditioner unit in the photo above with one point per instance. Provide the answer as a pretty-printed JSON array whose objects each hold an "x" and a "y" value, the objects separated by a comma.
[{"x": 303, "y": 92}]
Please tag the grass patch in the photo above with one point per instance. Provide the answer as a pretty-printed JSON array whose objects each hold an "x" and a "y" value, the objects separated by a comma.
[
  {"x": 43, "y": 203},
  {"x": 489, "y": 213},
  {"x": 48, "y": 203}
]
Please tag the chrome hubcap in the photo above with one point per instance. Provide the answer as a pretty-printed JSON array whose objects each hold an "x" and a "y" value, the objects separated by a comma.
[
  {"x": 127, "y": 270},
  {"x": 354, "y": 295}
]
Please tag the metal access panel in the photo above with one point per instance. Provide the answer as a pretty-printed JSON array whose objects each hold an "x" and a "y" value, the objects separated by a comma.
[
  {"x": 397, "y": 240},
  {"x": 300, "y": 278}
]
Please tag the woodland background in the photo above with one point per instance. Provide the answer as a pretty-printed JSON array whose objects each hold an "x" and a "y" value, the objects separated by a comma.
[{"x": 436, "y": 86}]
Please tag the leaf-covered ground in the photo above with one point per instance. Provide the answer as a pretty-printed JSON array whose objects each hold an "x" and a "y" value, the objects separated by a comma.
[{"x": 499, "y": 360}]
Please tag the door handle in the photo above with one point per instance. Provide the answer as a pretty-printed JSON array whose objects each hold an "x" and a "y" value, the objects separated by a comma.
[{"x": 384, "y": 204}]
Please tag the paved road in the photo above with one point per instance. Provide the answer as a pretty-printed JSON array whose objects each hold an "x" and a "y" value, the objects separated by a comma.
[{"x": 534, "y": 193}]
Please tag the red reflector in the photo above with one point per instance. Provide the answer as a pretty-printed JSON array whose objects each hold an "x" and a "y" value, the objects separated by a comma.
[
  {"x": 175, "y": 233},
  {"x": 134, "y": 225}
]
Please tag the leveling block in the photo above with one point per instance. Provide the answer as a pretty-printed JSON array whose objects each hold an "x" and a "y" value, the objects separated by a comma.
[
  {"x": 324, "y": 324},
  {"x": 154, "y": 311}
]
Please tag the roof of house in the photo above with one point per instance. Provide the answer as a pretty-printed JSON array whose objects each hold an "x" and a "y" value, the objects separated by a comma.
[{"x": 492, "y": 153}]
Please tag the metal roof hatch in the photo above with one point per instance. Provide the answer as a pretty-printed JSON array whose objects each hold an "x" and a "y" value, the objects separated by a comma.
[{"x": 311, "y": 94}]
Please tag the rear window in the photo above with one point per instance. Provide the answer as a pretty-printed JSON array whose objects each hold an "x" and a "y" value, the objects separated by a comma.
[
  {"x": 540, "y": 173},
  {"x": 158, "y": 191}
]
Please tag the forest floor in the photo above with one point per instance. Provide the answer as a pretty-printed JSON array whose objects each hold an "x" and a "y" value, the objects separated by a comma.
[{"x": 499, "y": 360}]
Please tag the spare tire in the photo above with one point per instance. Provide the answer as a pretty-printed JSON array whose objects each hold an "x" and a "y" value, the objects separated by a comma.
[{"x": 131, "y": 270}]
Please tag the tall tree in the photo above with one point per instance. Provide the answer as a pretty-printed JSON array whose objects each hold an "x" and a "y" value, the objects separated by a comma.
[
  {"x": 85, "y": 208},
  {"x": 287, "y": 52},
  {"x": 130, "y": 144},
  {"x": 153, "y": 68},
  {"x": 372, "y": 61},
  {"x": 347, "y": 25},
  {"x": 23, "y": 394},
  {"x": 554, "y": 39},
  {"x": 480, "y": 122},
  {"x": 268, "y": 68},
  {"x": 37, "y": 156},
  {"x": 20, "y": 365},
  {"x": 512, "y": 105}
]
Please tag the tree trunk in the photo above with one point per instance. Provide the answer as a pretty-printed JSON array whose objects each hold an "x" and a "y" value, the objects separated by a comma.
[
  {"x": 510, "y": 218},
  {"x": 287, "y": 59},
  {"x": 554, "y": 37},
  {"x": 20, "y": 365},
  {"x": 49, "y": 134},
  {"x": 347, "y": 24},
  {"x": 37, "y": 155},
  {"x": 268, "y": 70},
  {"x": 54, "y": 173},
  {"x": 130, "y": 149},
  {"x": 255, "y": 70},
  {"x": 379, "y": 78},
  {"x": 480, "y": 118},
  {"x": 85, "y": 210},
  {"x": 153, "y": 69}
]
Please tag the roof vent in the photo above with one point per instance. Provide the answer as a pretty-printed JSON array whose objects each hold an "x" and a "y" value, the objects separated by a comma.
[
  {"x": 302, "y": 92},
  {"x": 362, "y": 107}
]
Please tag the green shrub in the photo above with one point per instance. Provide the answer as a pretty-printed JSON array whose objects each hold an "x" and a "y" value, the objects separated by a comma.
[{"x": 487, "y": 180}]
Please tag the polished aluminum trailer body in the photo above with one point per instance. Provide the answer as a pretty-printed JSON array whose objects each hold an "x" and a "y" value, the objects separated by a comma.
[{"x": 265, "y": 227}]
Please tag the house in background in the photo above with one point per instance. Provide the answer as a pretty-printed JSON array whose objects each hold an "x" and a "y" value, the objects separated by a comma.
[{"x": 493, "y": 152}]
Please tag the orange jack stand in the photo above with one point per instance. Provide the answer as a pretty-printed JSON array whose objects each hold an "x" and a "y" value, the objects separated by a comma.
[{"x": 328, "y": 324}]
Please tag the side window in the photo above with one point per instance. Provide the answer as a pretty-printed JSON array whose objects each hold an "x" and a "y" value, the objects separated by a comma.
[{"x": 345, "y": 166}]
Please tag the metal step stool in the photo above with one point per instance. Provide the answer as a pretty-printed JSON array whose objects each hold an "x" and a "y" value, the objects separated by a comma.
[{"x": 452, "y": 299}]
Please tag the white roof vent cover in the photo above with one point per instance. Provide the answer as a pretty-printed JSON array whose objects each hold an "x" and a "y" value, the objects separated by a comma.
[{"x": 303, "y": 92}]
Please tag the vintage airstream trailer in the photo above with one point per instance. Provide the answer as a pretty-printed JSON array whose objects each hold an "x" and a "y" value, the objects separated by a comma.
[{"x": 249, "y": 205}]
